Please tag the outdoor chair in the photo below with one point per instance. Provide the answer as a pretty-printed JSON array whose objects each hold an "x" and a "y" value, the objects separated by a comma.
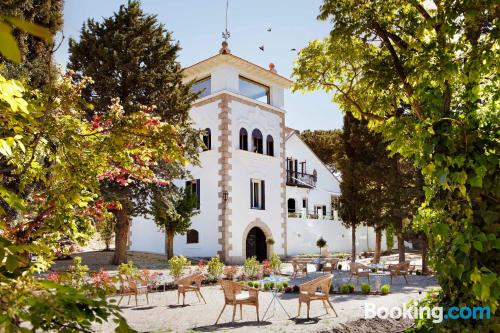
[
  {"x": 316, "y": 290},
  {"x": 400, "y": 269},
  {"x": 359, "y": 270},
  {"x": 191, "y": 283},
  {"x": 333, "y": 265},
  {"x": 129, "y": 287},
  {"x": 237, "y": 294},
  {"x": 299, "y": 267}
]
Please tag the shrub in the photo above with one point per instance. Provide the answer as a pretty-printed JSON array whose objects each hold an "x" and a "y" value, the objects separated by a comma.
[
  {"x": 296, "y": 288},
  {"x": 285, "y": 284},
  {"x": 251, "y": 267},
  {"x": 177, "y": 265},
  {"x": 77, "y": 273},
  {"x": 321, "y": 243},
  {"x": 344, "y": 289},
  {"x": 385, "y": 289},
  {"x": 230, "y": 272},
  {"x": 267, "y": 285},
  {"x": 418, "y": 273},
  {"x": 374, "y": 270},
  {"x": 275, "y": 263},
  {"x": 128, "y": 269},
  {"x": 215, "y": 268},
  {"x": 365, "y": 288},
  {"x": 351, "y": 288},
  {"x": 288, "y": 290},
  {"x": 279, "y": 286},
  {"x": 253, "y": 284}
]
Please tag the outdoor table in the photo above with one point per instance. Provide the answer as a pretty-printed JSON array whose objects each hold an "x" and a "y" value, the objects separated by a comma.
[
  {"x": 275, "y": 292},
  {"x": 376, "y": 266}
]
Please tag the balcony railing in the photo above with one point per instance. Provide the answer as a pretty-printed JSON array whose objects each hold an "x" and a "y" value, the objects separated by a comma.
[
  {"x": 309, "y": 214},
  {"x": 300, "y": 179}
]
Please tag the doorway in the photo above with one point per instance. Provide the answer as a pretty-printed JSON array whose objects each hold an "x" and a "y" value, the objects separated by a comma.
[{"x": 256, "y": 244}]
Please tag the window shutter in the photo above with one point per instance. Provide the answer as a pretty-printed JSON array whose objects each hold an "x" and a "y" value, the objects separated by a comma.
[
  {"x": 198, "y": 193},
  {"x": 263, "y": 189}
]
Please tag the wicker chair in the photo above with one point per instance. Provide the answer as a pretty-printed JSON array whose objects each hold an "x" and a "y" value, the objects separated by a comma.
[
  {"x": 237, "y": 294},
  {"x": 129, "y": 287},
  {"x": 333, "y": 265},
  {"x": 299, "y": 267},
  {"x": 359, "y": 270},
  {"x": 191, "y": 283},
  {"x": 316, "y": 290},
  {"x": 400, "y": 269}
]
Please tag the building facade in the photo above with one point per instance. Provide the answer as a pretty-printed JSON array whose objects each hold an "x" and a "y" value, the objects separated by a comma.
[{"x": 255, "y": 173}]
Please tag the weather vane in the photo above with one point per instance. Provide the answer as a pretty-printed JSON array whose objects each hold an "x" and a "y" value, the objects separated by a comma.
[{"x": 226, "y": 34}]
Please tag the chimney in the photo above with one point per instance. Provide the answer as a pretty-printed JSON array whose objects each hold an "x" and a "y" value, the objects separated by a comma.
[{"x": 272, "y": 68}]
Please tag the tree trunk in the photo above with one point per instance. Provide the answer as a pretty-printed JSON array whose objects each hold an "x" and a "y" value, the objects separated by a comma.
[
  {"x": 425, "y": 246},
  {"x": 378, "y": 245},
  {"x": 170, "y": 244},
  {"x": 121, "y": 237},
  {"x": 401, "y": 242},
  {"x": 353, "y": 245}
]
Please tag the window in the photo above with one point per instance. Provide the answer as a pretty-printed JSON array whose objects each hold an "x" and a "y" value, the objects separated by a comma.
[
  {"x": 270, "y": 145},
  {"x": 257, "y": 141},
  {"x": 207, "y": 139},
  {"x": 254, "y": 90},
  {"x": 202, "y": 87},
  {"x": 257, "y": 194},
  {"x": 193, "y": 187},
  {"x": 304, "y": 203},
  {"x": 291, "y": 205},
  {"x": 192, "y": 237},
  {"x": 243, "y": 139},
  {"x": 320, "y": 209}
]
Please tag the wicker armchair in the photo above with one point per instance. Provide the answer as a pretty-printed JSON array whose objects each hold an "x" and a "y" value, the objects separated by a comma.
[
  {"x": 191, "y": 283},
  {"x": 333, "y": 265},
  {"x": 359, "y": 270},
  {"x": 129, "y": 287},
  {"x": 400, "y": 269},
  {"x": 316, "y": 290},
  {"x": 237, "y": 294},
  {"x": 299, "y": 267}
]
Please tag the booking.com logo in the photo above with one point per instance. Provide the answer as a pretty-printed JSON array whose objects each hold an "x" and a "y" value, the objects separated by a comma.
[{"x": 436, "y": 313}]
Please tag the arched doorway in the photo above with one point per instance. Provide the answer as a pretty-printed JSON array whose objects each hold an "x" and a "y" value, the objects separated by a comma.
[{"x": 256, "y": 244}]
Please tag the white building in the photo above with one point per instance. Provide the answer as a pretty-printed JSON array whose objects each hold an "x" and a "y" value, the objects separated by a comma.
[{"x": 257, "y": 179}]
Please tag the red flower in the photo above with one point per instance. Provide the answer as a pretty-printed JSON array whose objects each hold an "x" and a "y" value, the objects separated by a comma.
[{"x": 96, "y": 122}]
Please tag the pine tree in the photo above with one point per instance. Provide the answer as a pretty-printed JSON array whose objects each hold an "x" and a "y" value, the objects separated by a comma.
[
  {"x": 132, "y": 57},
  {"x": 37, "y": 65}
]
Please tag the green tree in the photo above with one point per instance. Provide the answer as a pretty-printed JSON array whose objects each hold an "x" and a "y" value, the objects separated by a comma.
[
  {"x": 425, "y": 76},
  {"x": 172, "y": 211},
  {"x": 35, "y": 56},
  {"x": 325, "y": 144},
  {"x": 132, "y": 57}
]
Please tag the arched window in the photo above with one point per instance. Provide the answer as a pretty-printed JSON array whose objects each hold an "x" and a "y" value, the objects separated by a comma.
[
  {"x": 207, "y": 139},
  {"x": 192, "y": 237},
  {"x": 243, "y": 139},
  {"x": 270, "y": 145},
  {"x": 291, "y": 205},
  {"x": 257, "y": 141}
]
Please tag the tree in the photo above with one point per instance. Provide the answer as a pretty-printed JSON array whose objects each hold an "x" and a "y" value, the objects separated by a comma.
[
  {"x": 325, "y": 144},
  {"x": 423, "y": 74},
  {"x": 321, "y": 243},
  {"x": 132, "y": 57},
  {"x": 172, "y": 211},
  {"x": 34, "y": 62}
]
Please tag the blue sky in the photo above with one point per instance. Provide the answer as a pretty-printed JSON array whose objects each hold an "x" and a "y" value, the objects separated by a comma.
[{"x": 198, "y": 25}]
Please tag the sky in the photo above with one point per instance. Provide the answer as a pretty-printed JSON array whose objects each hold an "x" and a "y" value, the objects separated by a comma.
[{"x": 198, "y": 25}]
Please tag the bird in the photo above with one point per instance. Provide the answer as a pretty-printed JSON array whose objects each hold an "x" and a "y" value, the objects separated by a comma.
[
  {"x": 261, "y": 47},
  {"x": 269, "y": 29},
  {"x": 294, "y": 49}
]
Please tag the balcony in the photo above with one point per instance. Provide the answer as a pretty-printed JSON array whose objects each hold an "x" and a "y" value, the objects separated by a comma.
[{"x": 300, "y": 179}]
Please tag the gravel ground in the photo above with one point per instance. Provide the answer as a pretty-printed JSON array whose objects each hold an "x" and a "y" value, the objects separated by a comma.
[{"x": 162, "y": 314}]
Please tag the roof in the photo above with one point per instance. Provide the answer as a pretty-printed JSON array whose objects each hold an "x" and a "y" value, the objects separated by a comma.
[{"x": 220, "y": 59}]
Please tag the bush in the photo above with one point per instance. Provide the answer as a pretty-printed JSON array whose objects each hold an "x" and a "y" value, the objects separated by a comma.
[
  {"x": 230, "y": 272},
  {"x": 296, "y": 288},
  {"x": 351, "y": 287},
  {"x": 215, "y": 268},
  {"x": 254, "y": 284},
  {"x": 344, "y": 289},
  {"x": 275, "y": 263},
  {"x": 128, "y": 269},
  {"x": 177, "y": 265},
  {"x": 267, "y": 285},
  {"x": 78, "y": 273},
  {"x": 385, "y": 289},
  {"x": 279, "y": 286},
  {"x": 251, "y": 267},
  {"x": 285, "y": 284},
  {"x": 365, "y": 288}
]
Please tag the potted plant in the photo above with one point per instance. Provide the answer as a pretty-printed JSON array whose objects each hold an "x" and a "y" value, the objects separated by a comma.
[{"x": 321, "y": 243}]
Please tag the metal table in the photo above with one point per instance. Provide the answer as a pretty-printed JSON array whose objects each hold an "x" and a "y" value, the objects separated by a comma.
[{"x": 275, "y": 293}]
